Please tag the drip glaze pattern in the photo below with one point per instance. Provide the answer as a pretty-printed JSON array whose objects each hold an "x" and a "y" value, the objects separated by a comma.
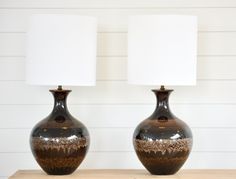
[
  {"x": 59, "y": 143},
  {"x": 162, "y": 142}
]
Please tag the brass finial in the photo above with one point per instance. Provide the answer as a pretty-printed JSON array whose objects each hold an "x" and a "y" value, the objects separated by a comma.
[
  {"x": 162, "y": 87},
  {"x": 59, "y": 87}
]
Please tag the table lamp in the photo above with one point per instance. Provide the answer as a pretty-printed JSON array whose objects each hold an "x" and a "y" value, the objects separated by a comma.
[
  {"x": 61, "y": 50},
  {"x": 162, "y": 51}
]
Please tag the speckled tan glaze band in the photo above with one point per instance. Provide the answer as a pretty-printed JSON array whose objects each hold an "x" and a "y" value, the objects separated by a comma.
[
  {"x": 58, "y": 144},
  {"x": 164, "y": 146}
]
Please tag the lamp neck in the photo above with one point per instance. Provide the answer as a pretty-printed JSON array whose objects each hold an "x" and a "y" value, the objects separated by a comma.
[
  {"x": 60, "y": 97},
  {"x": 162, "y": 111}
]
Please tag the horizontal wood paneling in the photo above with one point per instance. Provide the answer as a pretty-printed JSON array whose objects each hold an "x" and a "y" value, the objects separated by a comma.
[
  {"x": 11, "y": 162},
  {"x": 119, "y": 92},
  {"x": 114, "y": 3},
  {"x": 115, "y": 20},
  {"x": 121, "y": 116},
  {"x": 120, "y": 139},
  {"x": 115, "y": 44},
  {"x": 216, "y": 67},
  {"x": 118, "y": 160},
  {"x": 114, "y": 68},
  {"x": 12, "y": 44},
  {"x": 12, "y": 68},
  {"x": 112, "y": 109},
  {"x": 217, "y": 43}
]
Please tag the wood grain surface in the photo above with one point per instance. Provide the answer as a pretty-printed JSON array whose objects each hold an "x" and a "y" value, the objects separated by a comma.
[{"x": 128, "y": 174}]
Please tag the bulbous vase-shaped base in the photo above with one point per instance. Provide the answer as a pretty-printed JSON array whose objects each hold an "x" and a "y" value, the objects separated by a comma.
[
  {"x": 59, "y": 143},
  {"x": 162, "y": 142}
]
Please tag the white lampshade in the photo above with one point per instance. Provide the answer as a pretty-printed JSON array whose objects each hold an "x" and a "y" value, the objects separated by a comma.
[
  {"x": 61, "y": 50},
  {"x": 162, "y": 50}
]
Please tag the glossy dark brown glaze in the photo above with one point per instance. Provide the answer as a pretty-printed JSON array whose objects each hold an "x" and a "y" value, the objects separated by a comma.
[
  {"x": 59, "y": 142},
  {"x": 162, "y": 142}
]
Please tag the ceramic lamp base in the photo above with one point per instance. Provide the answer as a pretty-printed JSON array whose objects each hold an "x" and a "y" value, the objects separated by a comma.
[
  {"x": 162, "y": 142},
  {"x": 59, "y": 142}
]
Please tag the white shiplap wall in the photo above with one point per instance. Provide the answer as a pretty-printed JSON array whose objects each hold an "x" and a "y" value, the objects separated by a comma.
[{"x": 112, "y": 109}]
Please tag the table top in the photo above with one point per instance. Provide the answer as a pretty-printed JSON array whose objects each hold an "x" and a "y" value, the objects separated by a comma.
[{"x": 128, "y": 174}]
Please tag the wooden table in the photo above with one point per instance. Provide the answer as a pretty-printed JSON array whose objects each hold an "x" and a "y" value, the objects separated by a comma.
[{"x": 127, "y": 174}]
